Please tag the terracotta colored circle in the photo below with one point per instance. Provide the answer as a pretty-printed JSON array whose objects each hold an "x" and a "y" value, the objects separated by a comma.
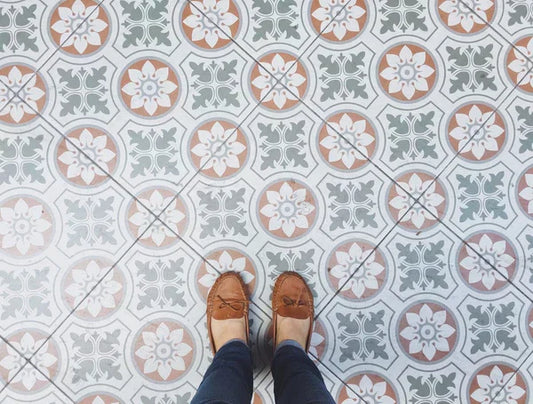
[
  {"x": 356, "y": 288},
  {"x": 525, "y": 189},
  {"x": 409, "y": 221},
  {"x": 346, "y": 395},
  {"x": 288, "y": 210},
  {"x": 429, "y": 61},
  {"x": 23, "y": 86},
  {"x": 485, "y": 278},
  {"x": 168, "y": 359},
  {"x": 336, "y": 22},
  {"x": 217, "y": 151},
  {"x": 222, "y": 37},
  {"x": 259, "y": 70},
  {"x": 142, "y": 110},
  {"x": 477, "y": 127},
  {"x": 526, "y": 84},
  {"x": 427, "y": 332},
  {"x": 96, "y": 305},
  {"x": 68, "y": 46},
  {"x": 477, "y": 25},
  {"x": 89, "y": 174},
  {"x": 23, "y": 210},
  {"x": 495, "y": 393},
  {"x": 100, "y": 398},
  {"x": 338, "y": 151}
]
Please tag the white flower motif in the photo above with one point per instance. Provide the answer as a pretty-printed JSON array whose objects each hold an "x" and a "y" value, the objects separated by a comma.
[
  {"x": 218, "y": 148},
  {"x": 407, "y": 72},
  {"x": 337, "y": 18},
  {"x": 163, "y": 351},
  {"x": 527, "y": 193},
  {"x": 368, "y": 392},
  {"x": 316, "y": 340},
  {"x": 522, "y": 65},
  {"x": 498, "y": 388},
  {"x": 479, "y": 269},
  {"x": 225, "y": 264},
  {"x": 476, "y": 132},
  {"x": 28, "y": 92},
  {"x": 364, "y": 278},
  {"x": 143, "y": 218},
  {"x": 460, "y": 12},
  {"x": 102, "y": 297},
  {"x": 78, "y": 164},
  {"x": 13, "y": 361},
  {"x": 23, "y": 226},
  {"x": 427, "y": 332},
  {"x": 210, "y": 20},
  {"x": 270, "y": 73},
  {"x": 430, "y": 199},
  {"x": 287, "y": 209},
  {"x": 78, "y": 30},
  {"x": 342, "y": 147},
  {"x": 149, "y": 87}
]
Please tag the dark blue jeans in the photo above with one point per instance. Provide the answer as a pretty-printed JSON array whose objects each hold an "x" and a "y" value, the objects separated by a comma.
[{"x": 229, "y": 379}]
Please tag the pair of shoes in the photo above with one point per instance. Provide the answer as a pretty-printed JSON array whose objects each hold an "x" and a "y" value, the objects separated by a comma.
[{"x": 292, "y": 301}]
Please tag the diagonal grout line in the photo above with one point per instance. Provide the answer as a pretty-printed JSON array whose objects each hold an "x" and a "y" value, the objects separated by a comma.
[
  {"x": 496, "y": 31},
  {"x": 29, "y": 363},
  {"x": 191, "y": 3},
  {"x": 53, "y": 53},
  {"x": 509, "y": 380},
  {"x": 417, "y": 199}
]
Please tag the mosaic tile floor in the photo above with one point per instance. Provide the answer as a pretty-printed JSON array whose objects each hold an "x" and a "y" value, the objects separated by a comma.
[{"x": 383, "y": 149}]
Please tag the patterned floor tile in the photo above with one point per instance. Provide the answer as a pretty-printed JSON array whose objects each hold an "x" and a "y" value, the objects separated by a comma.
[
  {"x": 267, "y": 136},
  {"x": 426, "y": 332}
]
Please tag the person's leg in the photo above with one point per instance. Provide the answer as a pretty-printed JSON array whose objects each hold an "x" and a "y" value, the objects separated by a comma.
[
  {"x": 229, "y": 378},
  {"x": 297, "y": 380}
]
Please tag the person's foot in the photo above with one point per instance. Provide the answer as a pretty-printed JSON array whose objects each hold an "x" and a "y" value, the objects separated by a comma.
[
  {"x": 227, "y": 310},
  {"x": 292, "y": 306}
]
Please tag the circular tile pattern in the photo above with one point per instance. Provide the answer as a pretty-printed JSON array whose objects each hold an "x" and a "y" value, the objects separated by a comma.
[
  {"x": 225, "y": 260},
  {"x": 336, "y": 21},
  {"x": 519, "y": 63},
  {"x": 370, "y": 387},
  {"x": 525, "y": 191},
  {"x": 407, "y": 72},
  {"x": 105, "y": 299},
  {"x": 210, "y": 24},
  {"x": 174, "y": 216},
  {"x": 400, "y": 201},
  {"x": 427, "y": 332},
  {"x": 29, "y": 86},
  {"x": 486, "y": 276},
  {"x": 44, "y": 353},
  {"x": 477, "y": 132},
  {"x": 149, "y": 88},
  {"x": 26, "y": 226},
  {"x": 287, "y": 209},
  {"x": 340, "y": 134},
  {"x": 79, "y": 27},
  {"x": 345, "y": 272},
  {"x": 498, "y": 384},
  {"x": 218, "y": 148},
  {"x": 293, "y": 80},
  {"x": 76, "y": 167},
  {"x": 458, "y": 16},
  {"x": 163, "y": 351}
]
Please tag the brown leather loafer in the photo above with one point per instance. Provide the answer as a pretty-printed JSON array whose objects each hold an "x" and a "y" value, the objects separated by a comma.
[
  {"x": 292, "y": 298},
  {"x": 227, "y": 299}
]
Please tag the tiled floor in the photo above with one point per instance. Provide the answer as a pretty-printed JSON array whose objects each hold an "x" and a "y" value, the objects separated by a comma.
[{"x": 381, "y": 148}]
